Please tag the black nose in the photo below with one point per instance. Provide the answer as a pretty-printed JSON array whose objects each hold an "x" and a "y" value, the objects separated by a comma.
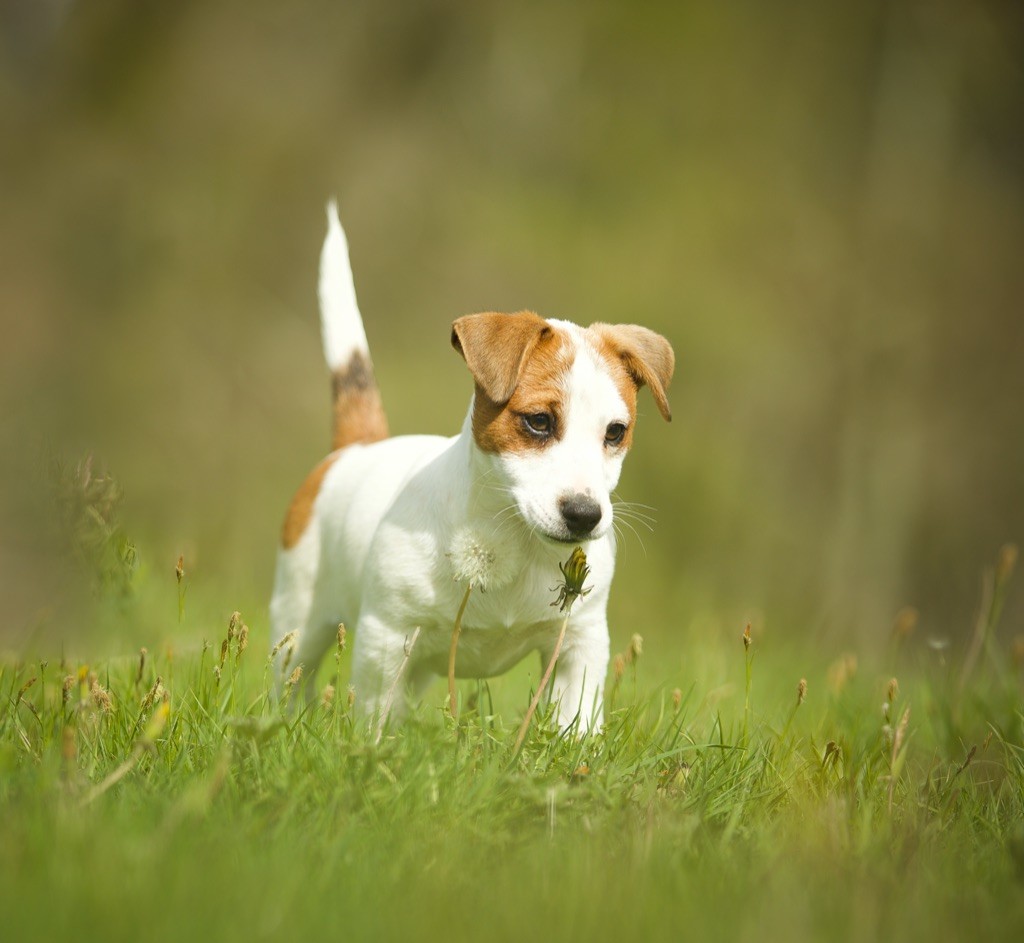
[{"x": 580, "y": 513}]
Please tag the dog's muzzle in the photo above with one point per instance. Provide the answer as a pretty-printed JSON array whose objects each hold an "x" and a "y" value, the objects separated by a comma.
[{"x": 581, "y": 514}]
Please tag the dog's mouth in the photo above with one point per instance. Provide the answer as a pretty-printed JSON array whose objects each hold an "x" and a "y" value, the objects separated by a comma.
[{"x": 569, "y": 539}]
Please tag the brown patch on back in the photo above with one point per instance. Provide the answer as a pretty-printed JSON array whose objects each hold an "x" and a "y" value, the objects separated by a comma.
[
  {"x": 537, "y": 356},
  {"x": 358, "y": 410},
  {"x": 301, "y": 509}
]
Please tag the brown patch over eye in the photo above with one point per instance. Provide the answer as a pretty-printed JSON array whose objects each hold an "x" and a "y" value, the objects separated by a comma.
[{"x": 530, "y": 419}]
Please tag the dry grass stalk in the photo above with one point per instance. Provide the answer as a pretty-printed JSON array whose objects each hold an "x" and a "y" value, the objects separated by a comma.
[
  {"x": 389, "y": 700},
  {"x": 895, "y": 758},
  {"x": 143, "y": 652},
  {"x": 146, "y": 742}
]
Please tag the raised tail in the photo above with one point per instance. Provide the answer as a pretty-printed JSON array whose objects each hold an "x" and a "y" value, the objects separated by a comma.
[{"x": 358, "y": 410}]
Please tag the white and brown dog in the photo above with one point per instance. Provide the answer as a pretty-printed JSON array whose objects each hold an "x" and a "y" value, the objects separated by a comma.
[{"x": 385, "y": 533}]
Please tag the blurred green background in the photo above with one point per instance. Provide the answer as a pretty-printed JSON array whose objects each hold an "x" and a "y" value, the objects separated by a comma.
[{"x": 819, "y": 204}]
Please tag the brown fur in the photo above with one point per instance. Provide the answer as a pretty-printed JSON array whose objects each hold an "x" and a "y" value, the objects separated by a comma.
[
  {"x": 621, "y": 377},
  {"x": 300, "y": 511},
  {"x": 647, "y": 358},
  {"x": 358, "y": 418},
  {"x": 358, "y": 410},
  {"x": 518, "y": 362}
]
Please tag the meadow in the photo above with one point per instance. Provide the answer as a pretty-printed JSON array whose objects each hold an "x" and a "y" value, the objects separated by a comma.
[
  {"x": 820, "y": 206},
  {"x": 741, "y": 789}
]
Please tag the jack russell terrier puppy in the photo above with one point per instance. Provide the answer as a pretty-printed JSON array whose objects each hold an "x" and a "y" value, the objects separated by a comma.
[{"x": 385, "y": 533}]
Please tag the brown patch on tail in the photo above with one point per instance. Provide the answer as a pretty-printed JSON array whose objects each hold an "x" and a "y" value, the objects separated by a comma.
[
  {"x": 358, "y": 410},
  {"x": 301, "y": 509},
  {"x": 358, "y": 418}
]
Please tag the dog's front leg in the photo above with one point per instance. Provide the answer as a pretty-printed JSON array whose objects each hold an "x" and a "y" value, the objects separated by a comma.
[
  {"x": 382, "y": 663},
  {"x": 578, "y": 685}
]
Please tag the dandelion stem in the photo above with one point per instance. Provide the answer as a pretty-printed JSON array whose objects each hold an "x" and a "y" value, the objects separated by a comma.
[
  {"x": 540, "y": 688},
  {"x": 456, "y": 632},
  {"x": 574, "y": 572}
]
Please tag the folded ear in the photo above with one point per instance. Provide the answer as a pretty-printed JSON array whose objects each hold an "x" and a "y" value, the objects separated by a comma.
[
  {"x": 647, "y": 356},
  {"x": 496, "y": 346}
]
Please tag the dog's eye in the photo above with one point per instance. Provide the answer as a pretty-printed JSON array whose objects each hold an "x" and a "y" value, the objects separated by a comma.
[
  {"x": 614, "y": 434},
  {"x": 539, "y": 424}
]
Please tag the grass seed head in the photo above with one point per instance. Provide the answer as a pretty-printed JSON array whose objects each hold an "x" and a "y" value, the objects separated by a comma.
[
  {"x": 341, "y": 637},
  {"x": 179, "y": 570},
  {"x": 677, "y": 698},
  {"x": 243, "y": 641},
  {"x": 904, "y": 623},
  {"x": 142, "y": 665},
  {"x": 901, "y": 731},
  {"x": 747, "y": 641},
  {"x": 327, "y": 698},
  {"x": 100, "y": 695},
  {"x": 286, "y": 641},
  {"x": 841, "y": 671},
  {"x": 619, "y": 666},
  {"x": 24, "y": 688},
  {"x": 154, "y": 694},
  {"x": 636, "y": 648},
  {"x": 801, "y": 691},
  {"x": 1007, "y": 563},
  {"x": 893, "y": 691}
]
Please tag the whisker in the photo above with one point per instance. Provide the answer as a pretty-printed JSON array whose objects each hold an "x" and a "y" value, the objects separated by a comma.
[{"x": 636, "y": 534}]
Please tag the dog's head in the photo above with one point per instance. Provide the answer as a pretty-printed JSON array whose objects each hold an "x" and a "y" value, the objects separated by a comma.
[{"x": 554, "y": 410}]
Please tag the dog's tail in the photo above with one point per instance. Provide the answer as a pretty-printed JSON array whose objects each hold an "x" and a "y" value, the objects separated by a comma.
[{"x": 358, "y": 410}]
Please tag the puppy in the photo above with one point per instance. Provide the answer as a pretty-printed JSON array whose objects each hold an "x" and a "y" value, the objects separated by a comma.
[{"x": 385, "y": 533}]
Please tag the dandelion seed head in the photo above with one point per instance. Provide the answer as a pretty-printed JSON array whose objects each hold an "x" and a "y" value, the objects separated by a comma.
[{"x": 482, "y": 559}]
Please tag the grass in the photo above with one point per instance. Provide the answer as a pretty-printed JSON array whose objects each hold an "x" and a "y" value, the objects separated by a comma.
[
  {"x": 233, "y": 822},
  {"x": 779, "y": 796}
]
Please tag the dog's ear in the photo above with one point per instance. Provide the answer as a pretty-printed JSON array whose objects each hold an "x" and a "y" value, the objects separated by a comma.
[
  {"x": 496, "y": 346},
  {"x": 647, "y": 356}
]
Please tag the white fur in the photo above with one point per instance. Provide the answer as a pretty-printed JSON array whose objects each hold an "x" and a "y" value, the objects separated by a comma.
[
  {"x": 340, "y": 323},
  {"x": 399, "y": 528},
  {"x": 579, "y": 463}
]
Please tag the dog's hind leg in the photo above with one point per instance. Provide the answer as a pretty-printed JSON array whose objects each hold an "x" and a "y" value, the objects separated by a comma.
[{"x": 299, "y": 636}]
